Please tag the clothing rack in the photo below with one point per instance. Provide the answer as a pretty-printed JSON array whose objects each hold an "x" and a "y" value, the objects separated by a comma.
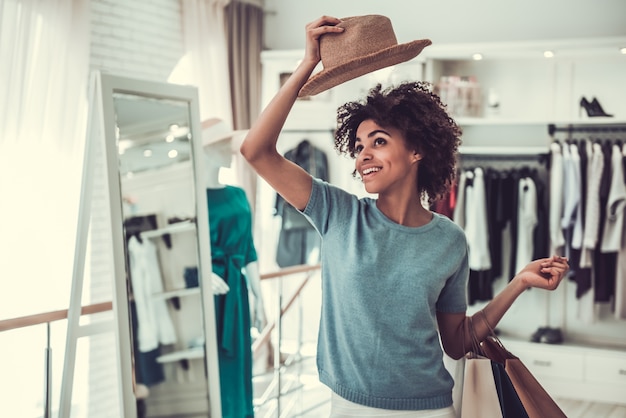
[
  {"x": 502, "y": 151},
  {"x": 587, "y": 128},
  {"x": 505, "y": 156}
]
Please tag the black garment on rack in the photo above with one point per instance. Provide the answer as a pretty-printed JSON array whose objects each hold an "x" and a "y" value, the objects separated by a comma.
[
  {"x": 605, "y": 264},
  {"x": 499, "y": 188},
  {"x": 147, "y": 369},
  {"x": 298, "y": 238}
]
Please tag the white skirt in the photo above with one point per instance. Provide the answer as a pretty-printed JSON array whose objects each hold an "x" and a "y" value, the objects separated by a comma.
[{"x": 342, "y": 408}]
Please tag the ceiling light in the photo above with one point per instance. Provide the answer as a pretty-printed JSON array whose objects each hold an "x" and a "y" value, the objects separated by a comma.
[
  {"x": 548, "y": 54},
  {"x": 172, "y": 153},
  {"x": 623, "y": 50},
  {"x": 169, "y": 138},
  {"x": 147, "y": 153},
  {"x": 173, "y": 127},
  {"x": 123, "y": 145},
  {"x": 477, "y": 57}
]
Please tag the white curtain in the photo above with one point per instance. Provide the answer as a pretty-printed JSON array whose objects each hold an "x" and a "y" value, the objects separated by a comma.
[
  {"x": 205, "y": 64},
  {"x": 44, "y": 69}
]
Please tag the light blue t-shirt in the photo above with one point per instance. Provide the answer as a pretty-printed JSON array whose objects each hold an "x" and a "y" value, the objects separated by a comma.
[{"x": 382, "y": 285}]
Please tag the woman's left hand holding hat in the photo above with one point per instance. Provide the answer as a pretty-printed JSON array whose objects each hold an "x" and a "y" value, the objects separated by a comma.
[{"x": 314, "y": 30}]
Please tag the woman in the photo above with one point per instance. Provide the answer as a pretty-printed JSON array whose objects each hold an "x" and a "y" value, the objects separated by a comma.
[{"x": 394, "y": 274}]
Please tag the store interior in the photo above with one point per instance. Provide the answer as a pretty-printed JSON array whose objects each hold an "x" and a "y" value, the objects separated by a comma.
[{"x": 104, "y": 161}]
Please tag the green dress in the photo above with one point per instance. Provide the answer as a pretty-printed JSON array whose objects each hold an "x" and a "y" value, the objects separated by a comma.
[{"x": 232, "y": 248}]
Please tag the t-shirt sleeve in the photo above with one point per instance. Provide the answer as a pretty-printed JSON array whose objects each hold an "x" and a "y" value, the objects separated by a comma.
[
  {"x": 324, "y": 198},
  {"x": 453, "y": 297}
]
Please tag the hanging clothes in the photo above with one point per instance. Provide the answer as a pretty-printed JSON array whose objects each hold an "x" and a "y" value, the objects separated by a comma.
[
  {"x": 298, "y": 241},
  {"x": 526, "y": 222},
  {"x": 620, "y": 279},
  {"x": 148, "y": 370},
  {"x": 605, "y": 262},
  {"x": 232, "y": 248},
  {"x": 154, "y": 322},
  {"x": 557, "y": 241},
  {"x": 476, "y": 221},
  {"x": 497, "y": 178},
  {"x": 480, "y": 284},
  {"x": 500, "y": 188}
]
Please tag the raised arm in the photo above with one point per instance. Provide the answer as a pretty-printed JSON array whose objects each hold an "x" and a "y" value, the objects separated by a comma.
[
  {"x": 259, "y": 148},
  {"x": 545, "y": 273}
]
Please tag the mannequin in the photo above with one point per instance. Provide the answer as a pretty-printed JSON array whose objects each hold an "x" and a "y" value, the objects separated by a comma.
[{"x": 235, "y": 272}]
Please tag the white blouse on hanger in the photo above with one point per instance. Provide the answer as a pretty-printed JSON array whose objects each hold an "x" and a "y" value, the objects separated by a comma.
[{"x": 154, "y": 324}]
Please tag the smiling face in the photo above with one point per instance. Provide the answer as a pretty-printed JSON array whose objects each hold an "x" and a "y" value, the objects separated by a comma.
[{"x": 383, "y": 160}]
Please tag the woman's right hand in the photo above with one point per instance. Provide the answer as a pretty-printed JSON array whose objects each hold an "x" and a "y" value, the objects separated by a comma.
[{"x": 314, "y": 30}]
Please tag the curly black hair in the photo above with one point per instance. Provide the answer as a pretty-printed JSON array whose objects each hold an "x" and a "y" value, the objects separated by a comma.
[{"x": 419, "y": 114}]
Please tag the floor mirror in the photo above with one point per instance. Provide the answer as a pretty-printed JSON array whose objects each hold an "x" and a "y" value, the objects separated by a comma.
[{"x": 161, "y": 247}]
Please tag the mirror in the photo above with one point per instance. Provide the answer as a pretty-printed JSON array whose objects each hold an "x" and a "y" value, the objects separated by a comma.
[{"x": 166, "y": 320}]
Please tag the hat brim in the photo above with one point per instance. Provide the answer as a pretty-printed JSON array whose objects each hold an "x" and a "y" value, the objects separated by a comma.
[{"x": 328, "y": 78}]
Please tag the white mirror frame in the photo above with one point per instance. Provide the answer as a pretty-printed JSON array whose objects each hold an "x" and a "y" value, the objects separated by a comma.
[{"x": 111, "y": 85}]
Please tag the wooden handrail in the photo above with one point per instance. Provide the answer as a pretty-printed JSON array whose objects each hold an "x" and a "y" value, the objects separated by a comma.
[
  {"x": 42, "y": 318},
  {"x": 290, "y": 270},
  {"x": 265, "y": 334}
]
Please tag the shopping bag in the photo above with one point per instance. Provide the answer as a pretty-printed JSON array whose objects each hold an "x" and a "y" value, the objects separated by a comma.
[
  {"x": 510, "y": 403},
  {"x": 479, "y": 397},
  {"x": 535, "y": 399}
]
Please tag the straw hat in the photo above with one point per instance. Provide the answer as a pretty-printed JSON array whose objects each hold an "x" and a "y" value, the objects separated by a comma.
[
  {"x": 215, "y": 130},
  {"x": 367, "y": 44}
]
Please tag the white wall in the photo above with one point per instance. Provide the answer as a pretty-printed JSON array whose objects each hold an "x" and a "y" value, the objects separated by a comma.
[
  {"x": 143, "y": 40},
  {"x": 454, "y": 21},
  {"x": 139, "y": 39}
]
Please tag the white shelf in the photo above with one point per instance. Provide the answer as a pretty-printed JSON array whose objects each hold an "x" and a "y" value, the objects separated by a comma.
[
  {"x": 495, "y": 121},
  {"x": 170, "y": 229},
  {"x": 178, "y": 293},
  {"x": 188, "y": 354},
  {"x": 500, "y": 150}
]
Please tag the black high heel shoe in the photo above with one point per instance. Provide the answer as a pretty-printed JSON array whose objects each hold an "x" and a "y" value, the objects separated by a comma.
[
  {"x": 585, "y": 104},
  {"x": 593, "y": 108},
  {"x": 595, "y": 104}
]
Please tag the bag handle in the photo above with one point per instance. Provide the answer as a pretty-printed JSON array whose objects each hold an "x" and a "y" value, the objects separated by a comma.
[
  {"x": 476, "y": 347},
  {"x": 493, "y": 345}
]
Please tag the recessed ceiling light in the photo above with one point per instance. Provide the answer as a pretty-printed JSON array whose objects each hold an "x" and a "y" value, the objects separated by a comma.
[
  {"x": 169, "y": 138},
  {"x": 477, "y": 57},
  {"x": 623, "y": 50},
  {"x": 548, "y": 54},
  {"x": 147, "y": 153},
  {"x": 173, "y": 127},
  {"x": 172, "y": 153}
]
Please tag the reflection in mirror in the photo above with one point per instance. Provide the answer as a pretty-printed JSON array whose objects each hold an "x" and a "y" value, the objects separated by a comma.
[
  {"x": 162, "y": 256},
  {"x": 235, "y": 271},
  {"x": 151, "y": 133}
]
